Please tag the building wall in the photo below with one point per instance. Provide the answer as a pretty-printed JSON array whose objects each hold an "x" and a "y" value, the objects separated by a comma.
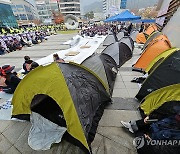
[
  {"x": 25, "y": 11},
  {"x": 70, "y": 7},
  {"x": 7, "y": 18},
  {"x": 5, "y": 1},
  {"x": 45, "y": 9},
  {"x": 123, "y": 4},
  {"x": 138, "y": 4},
  {"x": 110, "y": 7}
]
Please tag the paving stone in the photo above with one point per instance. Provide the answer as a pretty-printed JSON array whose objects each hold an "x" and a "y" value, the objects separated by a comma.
[
  {"x": 130, "y": 73},
  {"x": 101, "y": 149},
  {"x": 4, "y": 144},
  {"x": 12, "y": 150},
  {"x": 96, "y": 143},
  {"x": 119, "y": 85},
  {"x": 127, "y": 78},
  {"x": 125, "y": 69},
  {"x": 112, "y": 118},
  {"x": 119, "y": 78},
  {"x": 111, "y": 147},
  {"x": 131, "y": 85},
  {"x": 123, "y": 104},
  {"x": 12, "y": 133},
  {"x": 22, "y": 140},
  {"x": 65, "y": 148},
  {"x": 120, "y": 93},
  {"x": 127, "y": 65},
  {"x": 118, "y": 135},
  {"x": 4, "y": 124},
  {"x": 133, "y": 92}
]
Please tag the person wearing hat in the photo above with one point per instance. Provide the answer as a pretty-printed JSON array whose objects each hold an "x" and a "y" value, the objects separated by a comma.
[{"x": 11, "y": 81}]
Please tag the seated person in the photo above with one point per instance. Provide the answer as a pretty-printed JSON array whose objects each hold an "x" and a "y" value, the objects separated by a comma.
[
  {"x": 57, "y": 58},
  {"x": 166, "y": 130},
  {"x": 33, "y": 65},
  {"x": 12, "y": 80},
  {"x": 10, "y": 45},
  {"x": 135, "y": 126},
  {"x": 27, "y": 64},
  {"x": 2, "y": 49},
  {"x": 24, "y": 41},
  {"x": 17, "y": 44},
  {"x": 34, "y": 41}
]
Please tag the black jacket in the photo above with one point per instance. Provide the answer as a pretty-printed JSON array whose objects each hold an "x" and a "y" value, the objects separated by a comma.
[{"x": 11, "y": 84}]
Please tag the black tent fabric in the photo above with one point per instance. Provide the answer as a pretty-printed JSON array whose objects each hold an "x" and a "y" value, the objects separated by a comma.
[
  {"x": 167, "y": 109},
  {"x": 125, "y": 53},
  {"x": 88, "y": 95},
  {"x": 128, "y": 41},
  {"x": 104, "y": 67},
  {"x": 111, "y": 69},
  {"x": 110, "y": 39},
  {"x": 166, "y": 73},
  {"x": 95, "y": 64},
  {"x": 113, "y": 51},
  {"x": 120, "y": 51}
]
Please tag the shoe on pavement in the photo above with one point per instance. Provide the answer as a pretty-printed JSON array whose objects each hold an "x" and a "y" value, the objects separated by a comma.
[{"x": 127, "y": 125}]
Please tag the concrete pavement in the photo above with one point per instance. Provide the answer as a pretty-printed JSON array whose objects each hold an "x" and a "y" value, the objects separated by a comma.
[{"x": 111, "y": 138}]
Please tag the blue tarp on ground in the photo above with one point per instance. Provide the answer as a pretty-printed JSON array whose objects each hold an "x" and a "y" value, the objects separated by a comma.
[{"x": 123, "y": 16}]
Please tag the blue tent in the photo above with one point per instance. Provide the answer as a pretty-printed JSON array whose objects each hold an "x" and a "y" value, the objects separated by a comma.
[
  {"x": 123, "y": 16},
  {"x": 110, "y": 18}
]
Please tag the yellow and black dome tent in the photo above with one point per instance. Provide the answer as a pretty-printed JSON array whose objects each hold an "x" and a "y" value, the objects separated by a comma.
[
  {"x": 159, "y": 59},
  {"x": 165, "y": 74},
  {"x": 168, "y": 97},
  {"x": 79, "y": 95}
]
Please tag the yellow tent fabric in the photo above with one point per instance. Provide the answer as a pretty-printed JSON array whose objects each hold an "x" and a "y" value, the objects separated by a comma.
[
  {"x": 161, "y": 57},
  {"x": 157, "y": 98},
  {"x": 50, "y": 81}
]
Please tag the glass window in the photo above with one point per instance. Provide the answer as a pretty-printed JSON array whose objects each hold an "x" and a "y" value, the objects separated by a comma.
[
  {"x": 20, "y": 8},
  {"x": 30, "y": 16},
  {"x": 22, "y": 16},
  {"x": 7, "y": 17},
  {"x": 28, "y": 9}
]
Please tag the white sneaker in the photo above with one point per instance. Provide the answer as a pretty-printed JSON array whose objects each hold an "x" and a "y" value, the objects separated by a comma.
[{"x": 127, "y": 125}]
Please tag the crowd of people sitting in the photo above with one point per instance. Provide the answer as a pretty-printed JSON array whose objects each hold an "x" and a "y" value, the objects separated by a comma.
[
  {"x": 10, "y": 43},
  {"x": 12, "y": 39},
  {"x": 113, "y": 27}
]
